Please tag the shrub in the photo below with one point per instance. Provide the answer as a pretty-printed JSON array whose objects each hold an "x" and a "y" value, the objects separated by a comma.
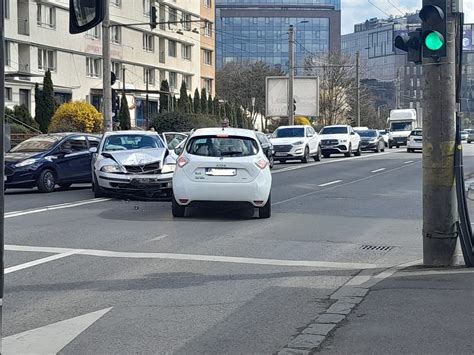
[
  {"x": 18, "y": 128},
  {"x": 77, "y": 116},
  {"x": 182, "y": 122},
  {"x": 302, "y": 120}
]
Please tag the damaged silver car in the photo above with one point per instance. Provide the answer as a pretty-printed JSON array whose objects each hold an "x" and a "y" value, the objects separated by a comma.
[{"x": 133, "y": 163}]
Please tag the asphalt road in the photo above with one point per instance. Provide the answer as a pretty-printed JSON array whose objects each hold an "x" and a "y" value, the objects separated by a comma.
[{"x": 215, "y": 281}]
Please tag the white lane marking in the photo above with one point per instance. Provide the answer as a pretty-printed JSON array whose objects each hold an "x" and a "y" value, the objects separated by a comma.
[
  {"x": 378, "y": 170},
  {"x": 291, "y": 168},
  {"x": 51, "y": 338},
  {"x": 338, "y": 186},
  {"x": 197, "y": 257},
  {"x": 408, "y": 162},
  {"x": 330, "y": 183},
  {"x": 55, "y": 207},
  {"x": 41, "y": 261},
  {"x": 160, "y": 237}
]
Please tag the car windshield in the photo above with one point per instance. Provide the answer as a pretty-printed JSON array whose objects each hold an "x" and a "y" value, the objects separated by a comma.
[
  {"x": 401, "y": 126},
  {"x": 220, "y": 146},
  {"x": 367, "y": 133},
  {"x": 416, "y": 133},
  {"x": 289, "y": 132},
  {"x": 334, "y": 130},
  {"x": 131, "y": 142},
  {"x": 36, "y": 144}
]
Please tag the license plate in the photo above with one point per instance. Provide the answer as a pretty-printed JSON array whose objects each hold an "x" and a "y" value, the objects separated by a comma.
[
  {"x": 147, "y": 181},
  {"x": 221, "y": 172},
  {"x": 280, "y": 154}
]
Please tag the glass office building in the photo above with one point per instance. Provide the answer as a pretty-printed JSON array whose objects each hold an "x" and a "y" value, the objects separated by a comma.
[{"x": 257, "y": 30}]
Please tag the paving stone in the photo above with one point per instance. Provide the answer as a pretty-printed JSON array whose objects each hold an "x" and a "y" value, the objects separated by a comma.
[
  {"x": 348, "y": 291},
  {"x": 319, "y": 329},
  {"x": 341, "y": 308},
  {"x": 306, "y": 341},
  {"x": 330, "y": 318},
  {"x": 355, "y": 300}
]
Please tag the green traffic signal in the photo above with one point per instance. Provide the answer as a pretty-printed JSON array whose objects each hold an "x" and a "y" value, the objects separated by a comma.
[{"x": 434, "y": 41}]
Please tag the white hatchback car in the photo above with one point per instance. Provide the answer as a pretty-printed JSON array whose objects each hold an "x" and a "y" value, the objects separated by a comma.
[
  {"x": 222, "y": 165},
  {"x": 415, "y": 140}
]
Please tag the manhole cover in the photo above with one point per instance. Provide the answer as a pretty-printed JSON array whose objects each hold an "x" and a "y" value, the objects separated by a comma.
[{"x": 376, "y": 247}]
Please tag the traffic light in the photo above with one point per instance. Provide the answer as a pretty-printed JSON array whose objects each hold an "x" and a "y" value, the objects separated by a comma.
[
  {"x": 153, "y": 20},
  {"x": 411, "y": 43},
  {"x": 85, "y": 14},
  {"x": 434, "y": 27}
]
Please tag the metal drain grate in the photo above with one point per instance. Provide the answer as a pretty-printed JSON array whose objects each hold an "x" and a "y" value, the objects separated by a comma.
[{"x": 376, "y": 247}]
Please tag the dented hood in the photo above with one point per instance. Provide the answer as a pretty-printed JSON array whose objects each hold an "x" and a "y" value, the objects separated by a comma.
[{"x": 138, "y": 157}]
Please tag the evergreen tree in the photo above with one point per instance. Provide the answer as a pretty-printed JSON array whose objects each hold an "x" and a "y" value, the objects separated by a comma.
[
  {"x": 197, "y": 102},
  {"x": 164, "y": 98},
  {"x": 47, "y": 105},
  {"x": 175, "y": 103},
  {"x": 221, "y": 112},
  {"x": 124, "y": 114},
  {"x": 239, "y": 118},
  {"x": 190, "y": 104},
  {"x": 183, "y": 101},
  {"x": 228, "y": 114},
  {"x": 38, "y": 102},
  {"x": 210, "y": 106},
  {"x": 204, "y": 101},
  {"x": 215, "y": 106}
]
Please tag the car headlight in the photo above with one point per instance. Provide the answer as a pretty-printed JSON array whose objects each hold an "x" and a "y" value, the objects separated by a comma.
[
  {"x": 25, "y": 163},
  {"x": 113, "y": 169},
  {"x": 168, "y": 168},
  {"x": 298, "y": 143}
]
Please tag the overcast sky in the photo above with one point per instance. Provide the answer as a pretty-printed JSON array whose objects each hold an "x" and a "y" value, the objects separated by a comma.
[{"x": 356, "y": 11}]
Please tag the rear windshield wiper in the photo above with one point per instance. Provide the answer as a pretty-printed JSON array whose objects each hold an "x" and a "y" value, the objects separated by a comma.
[{"x": 230, "y": 153}]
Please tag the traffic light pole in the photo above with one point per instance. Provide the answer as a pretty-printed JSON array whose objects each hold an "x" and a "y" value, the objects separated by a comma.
[
  {"x": 439, "y": 195},
  {"x": 106, "y": 75},
  {"x": 2, "y": 156},
  {"x": 358, "y": 86},
  {"x": 291, "y": 75}
]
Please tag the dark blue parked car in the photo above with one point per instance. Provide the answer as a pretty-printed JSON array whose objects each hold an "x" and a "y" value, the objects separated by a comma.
[{"x": 48, "y": 160}]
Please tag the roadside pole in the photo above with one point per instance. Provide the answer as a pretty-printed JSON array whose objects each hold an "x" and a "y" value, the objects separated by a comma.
[
  {"x": 147, "y": 111},
  {"x": 358, "y": 86},
  {"x": 2, "y": 156},
  {"x": 106, "y": 75},
  {"x": 439, "y": 195},
  {"x": 291, "y": 74}
]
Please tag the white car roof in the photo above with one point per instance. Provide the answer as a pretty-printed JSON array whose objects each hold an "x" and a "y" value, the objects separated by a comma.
[
  {"x": 338, "y": 125},
  {"x": 227, "y": 130},
  {"x": 116, "y": 133},
  {"x": 295, "y": 126}
]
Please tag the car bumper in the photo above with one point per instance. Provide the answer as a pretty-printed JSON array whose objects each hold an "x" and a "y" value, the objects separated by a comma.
[
  {"x": 295, "y": 152},
  {"x": 414, "y": 145},
  {"x": 25, "y": 177},
  {"x": 399, "y": 141},
  {"x": 334, "y": 149},
  {"x": 187, "y": 191},
  {"x": 151, "y": 186},
  {"x": 368, "y": 146}
]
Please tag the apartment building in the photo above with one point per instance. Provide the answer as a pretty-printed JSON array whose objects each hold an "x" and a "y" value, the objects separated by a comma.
[{"x": 37, "y": 39}]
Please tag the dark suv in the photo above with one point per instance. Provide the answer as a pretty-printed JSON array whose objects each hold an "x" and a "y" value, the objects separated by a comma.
[{"x": 48, "y": 160}]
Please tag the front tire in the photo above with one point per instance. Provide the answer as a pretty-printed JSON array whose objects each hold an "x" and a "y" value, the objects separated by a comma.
[
  {"x": 317, "y": 157},
  {"x": 46, "y": 181},
  {"x": 266, "y": 211},
  {"x": 349, "y": 153},
  {"x": 176, "y": 209},
  {"x": 359, "y": 151},
  {"x": 272, "y": 161},
  {"x": 306, "y": 156},
  {"x": 98, "y": 191}
]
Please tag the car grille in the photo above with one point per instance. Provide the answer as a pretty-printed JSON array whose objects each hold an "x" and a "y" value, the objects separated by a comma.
[
  {"x": 153, "y": 168},
  {"x": 282, "y": 148},
  {"x": 329, "y": 142}
]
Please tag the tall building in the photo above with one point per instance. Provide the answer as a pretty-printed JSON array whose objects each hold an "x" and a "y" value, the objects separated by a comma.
[
  {"x": 37, "y": 39},
  {"x": 257, "y": 30}
]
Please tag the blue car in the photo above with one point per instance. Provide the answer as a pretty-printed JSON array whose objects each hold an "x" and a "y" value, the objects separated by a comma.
[{"x": 48, "y": 160}]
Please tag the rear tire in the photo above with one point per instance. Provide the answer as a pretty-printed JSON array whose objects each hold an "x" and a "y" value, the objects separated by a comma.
[
  {"x": 266, "y": 211},
  {"x": 46, "y": 181},
  {"x": 305, "y": 156},
  {"x": 176, "y": 209}
]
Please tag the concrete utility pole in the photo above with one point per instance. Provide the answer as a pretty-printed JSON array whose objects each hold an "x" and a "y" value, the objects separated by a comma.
[
  {"x": 397, "y": 90},
  {"x": 439, "y": 196},
  {"x": 106, "y": 75},
  {"x": 358, "y": 86},
  {"x": 291, "y": 75},
  {"x": 2, "y": 155},
  {"x": 147, "y": 110}
]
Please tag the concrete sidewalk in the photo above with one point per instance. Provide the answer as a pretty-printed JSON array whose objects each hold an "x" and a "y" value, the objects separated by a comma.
[{"x": 416, "y": 311}]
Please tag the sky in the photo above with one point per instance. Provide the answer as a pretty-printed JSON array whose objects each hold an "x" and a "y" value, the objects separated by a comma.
[{"x": 357, "y": 11}]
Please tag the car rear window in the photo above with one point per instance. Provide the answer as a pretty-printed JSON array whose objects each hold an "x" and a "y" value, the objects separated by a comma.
[{"x": 222, "y": 146}]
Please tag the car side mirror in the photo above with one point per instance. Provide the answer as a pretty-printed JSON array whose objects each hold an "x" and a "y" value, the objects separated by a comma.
[
  {"x": 352, "y": 133},
  {"x": 178, "y": 150},
  {"x": 93, "y": 150}
]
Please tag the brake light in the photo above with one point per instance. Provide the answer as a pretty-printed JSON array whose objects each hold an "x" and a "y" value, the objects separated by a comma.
[
  {"x": 182, "y": 161},
  {"x": 262, "y": 163}
]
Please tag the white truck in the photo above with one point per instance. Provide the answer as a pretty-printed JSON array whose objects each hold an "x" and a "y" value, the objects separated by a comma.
[{"x": 401, "y": 122}]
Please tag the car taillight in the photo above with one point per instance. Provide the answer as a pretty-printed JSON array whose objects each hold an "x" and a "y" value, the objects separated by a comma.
[
  {"x": 182, "y": 161},
  {"x": 262, "y": 163}
]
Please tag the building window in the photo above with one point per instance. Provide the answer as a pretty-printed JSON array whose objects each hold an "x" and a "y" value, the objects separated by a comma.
[
  {"x": 208, "y": 85},
  {"x": 46, "y": 59},
  {"x": 172, "y": 48},
  {"x": 208, "y": 29},
  {"x": 186, "y": 21},
  {"x": 418, "y": 83},
  {"x": 148, "y": 42},
  {"x": 186, "y": 51},
  {"x": 46, "y": 16},
  {"x": 208, "y": 3},
  {"x": 8, "y": 94},
  {"x": 117, "y": 70},
  {"x": 115, "y": 35},
  {"x": 93, "y": 67},
  {"x": 149, "y": 74},
  {"x": 117, "y": 3},
  {"x": 7, "y": 54},
  {"x": 173, "y": 15},
  {"x": 188, "y": 80},
  {"x": 93, "y": 33},
  {"x": 6, "y": 8},
  {"x": 146, "y": 7},
  {"x": 173, "y": 80},
  {"x": 207, "y": 56}
]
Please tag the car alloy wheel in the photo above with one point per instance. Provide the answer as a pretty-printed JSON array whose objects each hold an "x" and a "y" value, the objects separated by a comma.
[
  {"x": 349, "y": 153},
  {"x": 317, "y": 157},
  {"x": 46, "y": 181},
  {"x": 306, "y": 155}
]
